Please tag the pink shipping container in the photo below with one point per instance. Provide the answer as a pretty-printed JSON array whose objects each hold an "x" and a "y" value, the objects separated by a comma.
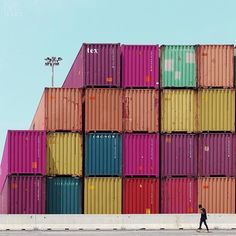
[
  {"x": 178, "y": 155},
  {"x": 95, "y": 65},
  {"x": 140, "y": 66},
  {"x": 217, "y": 155},
  {"x": 23, "y": 195},
  {"x": 179, "y": 196},
  {"x": 140, "y": 154},
  {"x": 24, "y": 153}
]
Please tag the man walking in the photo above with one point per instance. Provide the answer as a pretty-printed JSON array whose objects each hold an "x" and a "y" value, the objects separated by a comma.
[{"x": 203, "y": 218}]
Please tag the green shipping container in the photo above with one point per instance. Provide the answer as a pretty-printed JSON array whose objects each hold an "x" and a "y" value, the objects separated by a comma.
[
  {"x": 64, "y": 195},
  {"x": 178, "y": 67}
]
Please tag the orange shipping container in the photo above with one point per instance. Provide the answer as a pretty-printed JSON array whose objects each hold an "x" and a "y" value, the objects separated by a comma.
[
  {"x": 59, "y": 109},
  {"x": 217, "y": 194},
  {"x": 215, "y": 65},
  {"x": 103, "y": 109},
  {"x": 140, "y": 111}
]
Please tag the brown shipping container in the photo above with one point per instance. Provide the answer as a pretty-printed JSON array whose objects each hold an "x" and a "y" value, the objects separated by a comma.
[
  {"x": 217, "y": 194},
  {"x": 103, "y": 110},
  {"x": 140, "y": 112},
  {"x": 59, "y": 109},
  {"x": 215, "y": 65}
]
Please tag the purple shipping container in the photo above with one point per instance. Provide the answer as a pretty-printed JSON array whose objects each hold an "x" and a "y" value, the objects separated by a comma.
[
  {"x": 216, "y": 155},
  {"x": 95, "y": 65},
  {"x": 178, "y": 155},
  {"x": 140, "y": 154},
  {"x": 23, "y": 195},
  {"x": 140, "y": 66}
]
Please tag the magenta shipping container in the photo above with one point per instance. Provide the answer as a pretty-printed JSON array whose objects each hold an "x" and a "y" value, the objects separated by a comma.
[
  {"x": 178, "y": 155},
  {"x": 95, "y": 65},
  {"x": 23, "y": 195},
  {"x": 140, "y": 66},
  {"x": 217, "y": 155},
  {"x": 140, "y": 154}
]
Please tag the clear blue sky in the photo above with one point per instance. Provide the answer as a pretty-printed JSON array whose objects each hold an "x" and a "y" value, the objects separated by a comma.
[{"x": 31, "y": 30}]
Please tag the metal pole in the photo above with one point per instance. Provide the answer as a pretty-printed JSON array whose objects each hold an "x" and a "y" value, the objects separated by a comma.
[{"x": 52, "y": 75}]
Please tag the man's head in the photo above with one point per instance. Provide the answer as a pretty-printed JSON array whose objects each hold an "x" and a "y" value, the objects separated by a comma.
[{"x": 200, "y": 206}]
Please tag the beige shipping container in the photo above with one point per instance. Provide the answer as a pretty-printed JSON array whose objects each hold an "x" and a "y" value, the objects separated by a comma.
[
  {"x": 215, "y": 66},
  {"x": 178, "y": 110},
  {"x": 216, "y": 110},
  {"x": 60, "y": 109},
  {"x": 140, "y": 111},
  {"x": 102, "y": 195},
  {"x": 217, "y": 194},
  {"x": 64, "y": 154},
  {"x": 103, "y": 109}
]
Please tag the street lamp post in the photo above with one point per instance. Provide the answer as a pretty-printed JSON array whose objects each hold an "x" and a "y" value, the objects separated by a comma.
[{"x": 52, "y": 61}]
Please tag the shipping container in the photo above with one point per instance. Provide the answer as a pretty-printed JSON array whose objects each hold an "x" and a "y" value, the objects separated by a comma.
[
  {"x": 217, "y": 194},
  {"x": 217, "y": 155},
  {"x": 103, "y": 154},
  {"x": 179, "y": 155},
  {"x": 215, "y": 65},
  {"x": 141, "y": 154},
  {"x": 140, "y": 196},
  {"x": 178, "y": 111},
  {"x": 24, "y": 153},
  {"x": 102, "y": 195},
  {"x": 140, "y": 66},
  {"x": 23, "y": 195},
  {"x": 140, "y": 111},
  {"x": 64, "y": 154},
  {"x": 216, "y": 110},
  {"x": 59, "y": 110},
  {"x": 103, "y": 110},
  {"x": 95, "y": 65},
  {"x": 179, "y": 196},
  {"x": 64, "y": 195},
  {"x": 178, "y": 66}
]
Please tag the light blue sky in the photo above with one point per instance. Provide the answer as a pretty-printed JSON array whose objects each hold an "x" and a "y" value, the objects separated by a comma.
[{"x": 30, "y": 30}]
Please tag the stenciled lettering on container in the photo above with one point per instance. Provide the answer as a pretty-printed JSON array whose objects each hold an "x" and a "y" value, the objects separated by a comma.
[
  {"x": 151, "y": 61},
  {"x": 113, "y": 58},
  {"x": 92, "y": 50}
]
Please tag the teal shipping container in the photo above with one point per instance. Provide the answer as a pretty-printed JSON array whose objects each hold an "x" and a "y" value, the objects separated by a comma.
[
  {"x": 103, "y": 154},
  {"x": 178, "y": 66},
  {"x": 64, "y": 195}
]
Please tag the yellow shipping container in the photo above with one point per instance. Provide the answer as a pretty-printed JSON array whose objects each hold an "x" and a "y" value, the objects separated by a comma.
[
  {"x": 102, "y": 195},
  {"x": 216, "y": 110},
  {"x": 178, "y": 110},
  {"x": 64, "y": 154}
]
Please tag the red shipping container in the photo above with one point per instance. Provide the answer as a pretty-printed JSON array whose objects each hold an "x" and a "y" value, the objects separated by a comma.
[
  {"x": 23, "y": 195},
  {"x": 140, "y": 154},
  {"x": 179, "y": 196},
  {"x": 140, "y": 66},
  {"x": 95, "y": 65},
  {"x": 178, "y": 155},
  {"x": 140, "y": 196},
  {"x": 217, "y": 155}
]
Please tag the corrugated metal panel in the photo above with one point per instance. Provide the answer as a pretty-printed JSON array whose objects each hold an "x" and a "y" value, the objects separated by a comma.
[
  {"x": 179, "y": 155},
  {"x": 106, "y": 106},
  {"x": 178, "y": 110},
  {"x": 141, "y": 155},
  {"x": 62, "y": 110},
  {"x": 217, "y": 194},
  {"x": 140, "y": 66},
  {"x": 140, "y": 196},
  {"x": 216, "y": 110},
  {"x": 103, "y": 154},
  {"x": 64, "y": 154},
  {"x": 178, "y": 66},
  {"x": 179, "y": 196},
  {"x": 24, "y": 195},
  {"x": 95, "y": 65},
  {"x": 217, "y": 155},
  {"x": 215, "y": 65},
  {"x": 102, "y": 195},
  {"x": 140, "y": 112},
  {"x": 64, "y": 195}
]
